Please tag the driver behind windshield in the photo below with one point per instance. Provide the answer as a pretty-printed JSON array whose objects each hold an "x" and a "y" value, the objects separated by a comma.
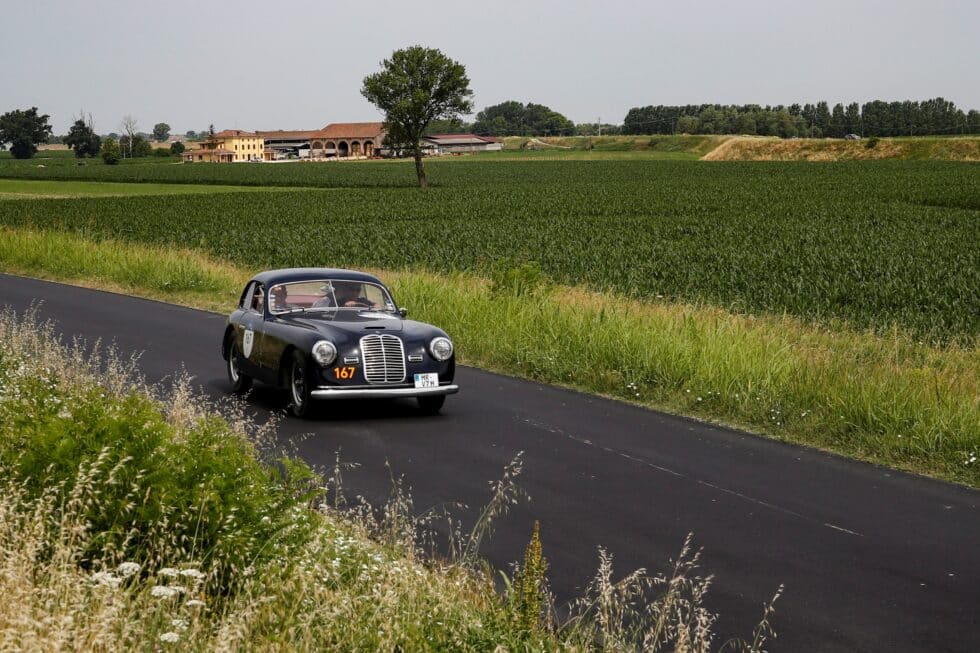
[{"x": 348, "y": 294}]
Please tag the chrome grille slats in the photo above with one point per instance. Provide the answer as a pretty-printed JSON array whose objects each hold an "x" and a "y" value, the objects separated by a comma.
[{"x": 384, "y": 358}]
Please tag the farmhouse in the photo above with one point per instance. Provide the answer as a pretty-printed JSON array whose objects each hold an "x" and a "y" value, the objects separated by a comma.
[
  {"x": 228, "y": 146},
  {"x": 453, "y": 143}
]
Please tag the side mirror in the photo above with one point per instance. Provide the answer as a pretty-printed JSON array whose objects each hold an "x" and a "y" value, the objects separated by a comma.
[{"x": 403, "y": 312}]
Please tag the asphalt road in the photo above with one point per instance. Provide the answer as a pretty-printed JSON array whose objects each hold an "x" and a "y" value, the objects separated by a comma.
[{"x": 872, "y": 559}]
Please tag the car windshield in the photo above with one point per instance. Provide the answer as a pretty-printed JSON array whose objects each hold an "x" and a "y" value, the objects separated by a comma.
[{"x": 329, "y": 295}]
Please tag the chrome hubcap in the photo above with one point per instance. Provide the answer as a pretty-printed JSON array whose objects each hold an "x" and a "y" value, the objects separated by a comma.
[
  {"x": 233, "y": 366},
  {"x": 299, "y": 385}
]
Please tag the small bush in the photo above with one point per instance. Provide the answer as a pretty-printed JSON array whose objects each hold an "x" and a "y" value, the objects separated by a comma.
[
  {"x": 110, "y": 152},
  {"x": 516, "y": 279},
  {"x": 871, "y": 143}
]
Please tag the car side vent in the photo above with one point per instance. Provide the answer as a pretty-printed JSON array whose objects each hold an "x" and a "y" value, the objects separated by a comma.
[
  {"x": 375, "y": 327},
  {"x": 384, "y": 358}
]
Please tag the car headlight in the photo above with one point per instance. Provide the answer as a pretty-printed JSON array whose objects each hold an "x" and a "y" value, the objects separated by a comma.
[
  {"x": 441, "y": 348},
  {"x": 324, "y": 352}
]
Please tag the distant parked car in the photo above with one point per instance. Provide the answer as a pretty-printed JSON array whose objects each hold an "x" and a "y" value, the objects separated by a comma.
[
  {"x": 852, "y": 137},
  {"x": 325, "y": 334}
]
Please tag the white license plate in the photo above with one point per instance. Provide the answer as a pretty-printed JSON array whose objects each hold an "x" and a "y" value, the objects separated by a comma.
[{"x": 426, "y": 380}]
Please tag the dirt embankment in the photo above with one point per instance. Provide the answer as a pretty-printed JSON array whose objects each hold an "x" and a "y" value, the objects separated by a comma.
[
  {"x": 756, "y": 148},
  {"x": 695, "y": 144}
]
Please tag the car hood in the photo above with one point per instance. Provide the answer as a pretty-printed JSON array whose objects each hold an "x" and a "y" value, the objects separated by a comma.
[{"x": 350, "y": 321}]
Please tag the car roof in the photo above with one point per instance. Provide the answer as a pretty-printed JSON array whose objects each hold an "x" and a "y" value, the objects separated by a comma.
[{"x": 270, "y": 277}]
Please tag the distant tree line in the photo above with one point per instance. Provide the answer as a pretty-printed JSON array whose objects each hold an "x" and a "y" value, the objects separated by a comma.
[
  {"x": 929, "y": 117},
  {"x": 515, "y": 119},
  {"x": 25, "y": 129}
]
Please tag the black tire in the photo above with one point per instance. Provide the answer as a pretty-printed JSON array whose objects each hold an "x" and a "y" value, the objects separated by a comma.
[
  {"x": 240, "y": 383},
  {"x": 432, "y": 404},
  {"x": 298, "y": 385}
]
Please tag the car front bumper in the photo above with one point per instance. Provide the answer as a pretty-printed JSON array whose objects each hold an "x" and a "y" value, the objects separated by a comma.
[{"x": 378, "y": 392}]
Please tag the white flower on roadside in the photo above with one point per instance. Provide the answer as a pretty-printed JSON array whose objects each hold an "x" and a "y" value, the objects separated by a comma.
[
  {"x": 106, "y": 579},
  {"x": 192, "y": 573},
  {"x": 170, "y": 638},
  {"x": 195, "y": 603},
  {"x": 165, "y": 592},
  {"x": 169, "y": 572},
  {"x": 179, "y": 625},
  {"x": 127, "y": 569}
]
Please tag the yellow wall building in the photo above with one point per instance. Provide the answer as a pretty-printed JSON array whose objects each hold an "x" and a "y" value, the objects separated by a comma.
[{"x": 228, "y": 146}]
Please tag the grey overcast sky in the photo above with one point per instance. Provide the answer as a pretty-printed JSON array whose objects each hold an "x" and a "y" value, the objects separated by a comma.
[{"x": 299, "y": 64}]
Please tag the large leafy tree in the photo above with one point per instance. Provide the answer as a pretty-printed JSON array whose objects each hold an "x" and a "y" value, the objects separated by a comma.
[
  {"x": 414, "y": 87},
  {"x": 512, "y": 118},
  {"x": 161, "y": 131},
  {"x": 24, "y": 130},
  {"x": 82, "y": 138}
]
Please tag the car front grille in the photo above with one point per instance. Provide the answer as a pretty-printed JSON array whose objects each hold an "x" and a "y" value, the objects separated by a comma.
[{"x": 384, "y": 358}]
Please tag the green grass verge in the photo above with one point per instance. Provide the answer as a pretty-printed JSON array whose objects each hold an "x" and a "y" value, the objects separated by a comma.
[{"x": 885, "y": 399}]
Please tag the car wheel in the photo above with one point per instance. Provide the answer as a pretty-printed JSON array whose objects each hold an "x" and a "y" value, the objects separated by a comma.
[
  {"x": 299, "y": 387},
  {"x": 240, "y": 383},
  {"x": 431, "y": 405}
]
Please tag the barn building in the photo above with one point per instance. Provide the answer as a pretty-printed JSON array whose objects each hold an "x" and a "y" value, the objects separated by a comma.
[
  {"x": 347, "y": 140},
  {"x": 281, "y": 144},
  {"x": 458, "y": 143}
]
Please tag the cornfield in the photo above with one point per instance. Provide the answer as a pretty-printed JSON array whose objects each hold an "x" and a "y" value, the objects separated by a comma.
[{"x": 889, "y": 245}]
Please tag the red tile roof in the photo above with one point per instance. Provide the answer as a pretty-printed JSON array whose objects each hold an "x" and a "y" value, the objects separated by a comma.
[
  {"x": 234, "y": 133},
  {"x": 351, "y": 130}
]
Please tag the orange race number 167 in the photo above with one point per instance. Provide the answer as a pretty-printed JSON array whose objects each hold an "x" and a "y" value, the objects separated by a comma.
[{"x": 344, "y": 372}]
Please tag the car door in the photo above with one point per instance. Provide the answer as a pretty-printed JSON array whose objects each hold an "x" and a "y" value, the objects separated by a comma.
[{"x": 249, "y": 330}]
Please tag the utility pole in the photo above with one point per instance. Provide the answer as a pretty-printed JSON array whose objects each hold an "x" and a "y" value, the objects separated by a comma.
[{"x": 598, "y": 122}]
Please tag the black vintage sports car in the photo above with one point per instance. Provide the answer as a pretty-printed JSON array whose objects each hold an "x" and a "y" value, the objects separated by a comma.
[{"x": 334, "y": 334}]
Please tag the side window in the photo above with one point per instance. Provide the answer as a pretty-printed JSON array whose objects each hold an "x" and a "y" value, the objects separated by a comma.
[
  {"x": 257, "y": 302},
  {"x": 246, "y": 299}
]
